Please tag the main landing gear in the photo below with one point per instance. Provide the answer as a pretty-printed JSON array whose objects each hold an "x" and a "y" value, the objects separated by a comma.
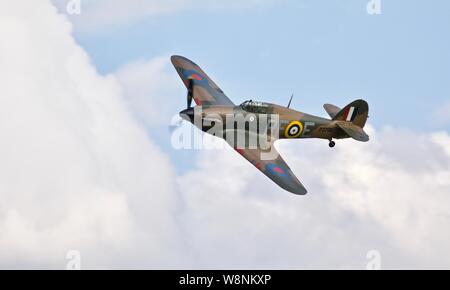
[{"x": 331, "y": 144}]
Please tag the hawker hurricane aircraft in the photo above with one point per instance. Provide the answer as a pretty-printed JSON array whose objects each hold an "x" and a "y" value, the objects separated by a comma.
[{"x": 214, "y": 108}]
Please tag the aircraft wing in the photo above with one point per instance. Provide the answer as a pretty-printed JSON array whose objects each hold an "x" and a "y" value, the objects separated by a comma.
[
  {"x": 205, "y": 91},
  {"x": 275, "y": 168}
]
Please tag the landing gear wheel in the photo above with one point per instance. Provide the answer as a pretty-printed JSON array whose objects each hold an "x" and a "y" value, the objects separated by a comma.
[{"x": 331, "y": 144}]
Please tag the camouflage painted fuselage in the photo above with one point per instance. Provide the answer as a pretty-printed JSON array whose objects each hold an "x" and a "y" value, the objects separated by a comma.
[{"x": 307, "y": 126}]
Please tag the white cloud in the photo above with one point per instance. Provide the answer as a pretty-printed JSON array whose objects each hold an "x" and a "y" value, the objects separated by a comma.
[
  {"x": 390, "y": 194},
  {"x": 77, "y": 170},
  {"x": 153, "y": 90}
]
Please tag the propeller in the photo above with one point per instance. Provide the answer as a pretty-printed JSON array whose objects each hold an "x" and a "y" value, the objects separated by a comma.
[
  {"x": 188, "y": 113},
  {"x": 189, "y": 93}
]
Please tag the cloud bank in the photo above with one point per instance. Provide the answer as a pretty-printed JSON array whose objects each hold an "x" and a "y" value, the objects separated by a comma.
[
  {"x": 79, "y": 171},
  {"x": 387, "y": 195}
]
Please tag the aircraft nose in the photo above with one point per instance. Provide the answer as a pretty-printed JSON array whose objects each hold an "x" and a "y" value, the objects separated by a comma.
[{"x": 188, "y": 114}]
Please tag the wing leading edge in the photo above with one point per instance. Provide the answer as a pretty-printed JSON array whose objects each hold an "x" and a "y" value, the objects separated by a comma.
[{"x": 205, "y": 91}]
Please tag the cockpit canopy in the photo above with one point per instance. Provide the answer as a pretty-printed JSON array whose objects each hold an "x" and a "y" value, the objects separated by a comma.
[{"x": 255, "y": 107}]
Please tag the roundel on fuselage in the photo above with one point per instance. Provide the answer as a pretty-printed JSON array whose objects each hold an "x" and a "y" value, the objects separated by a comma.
[{"x": 293, "y": 130}]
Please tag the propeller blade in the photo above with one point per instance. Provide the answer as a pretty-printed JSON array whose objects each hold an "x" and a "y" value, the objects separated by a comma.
[{"x": 189, "y": 93}]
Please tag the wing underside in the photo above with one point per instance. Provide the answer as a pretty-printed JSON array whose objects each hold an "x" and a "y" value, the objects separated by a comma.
[
  {"x": 273, "y": 166},
  {"x": 205, "y": 91}
]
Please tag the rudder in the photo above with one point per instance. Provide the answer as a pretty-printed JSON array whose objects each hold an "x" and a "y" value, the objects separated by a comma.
[{"x": 355, "y": 112}]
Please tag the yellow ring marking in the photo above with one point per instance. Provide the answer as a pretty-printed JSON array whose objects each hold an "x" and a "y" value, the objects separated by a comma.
[{"x": 293, "y": 123}]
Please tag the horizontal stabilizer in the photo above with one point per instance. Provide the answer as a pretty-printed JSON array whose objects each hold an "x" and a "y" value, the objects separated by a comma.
[
  {"x": 353, "y": 131},
  {"x": 332, "y": 110}
]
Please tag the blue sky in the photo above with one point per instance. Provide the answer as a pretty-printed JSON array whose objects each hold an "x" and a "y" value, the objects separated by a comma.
[{"x": 323, "y": 51}]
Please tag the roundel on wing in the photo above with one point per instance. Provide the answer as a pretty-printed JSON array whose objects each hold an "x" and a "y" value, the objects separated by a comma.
[
  {"x": 193, "y": 75},
  {"x": 275, "y": 169},
  {"x": 294, "y": 129}
]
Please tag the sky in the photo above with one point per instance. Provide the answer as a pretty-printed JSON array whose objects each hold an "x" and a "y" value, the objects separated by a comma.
[
  {"x": 87, "y": 106},
  {"x": 323, "y": 51}
]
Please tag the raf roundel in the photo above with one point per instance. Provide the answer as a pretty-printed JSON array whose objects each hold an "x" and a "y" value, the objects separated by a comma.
[
  {"x": 294, "y": 129},
  {"x": 275, "y": 169}
]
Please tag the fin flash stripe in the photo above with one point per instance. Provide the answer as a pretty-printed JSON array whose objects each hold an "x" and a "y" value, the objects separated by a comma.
[{"x": 350, "y": 114}]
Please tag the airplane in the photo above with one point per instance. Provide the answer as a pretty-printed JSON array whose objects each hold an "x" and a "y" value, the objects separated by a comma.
[{"x": 347, "y": 122}]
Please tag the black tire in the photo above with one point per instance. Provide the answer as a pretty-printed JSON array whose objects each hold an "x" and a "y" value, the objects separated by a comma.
[{"x": 332, "y": 144}]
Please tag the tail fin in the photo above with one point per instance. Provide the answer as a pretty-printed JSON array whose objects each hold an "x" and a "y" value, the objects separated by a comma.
[{"x": 355, "y": 112}]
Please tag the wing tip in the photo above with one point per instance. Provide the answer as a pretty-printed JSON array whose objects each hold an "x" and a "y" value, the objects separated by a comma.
[
  {"x": 178, "y": 58},
  {"x": 175, "y": 58},
  {"x": 295, "y": 187},
  {"x": 299, "y": 191}
]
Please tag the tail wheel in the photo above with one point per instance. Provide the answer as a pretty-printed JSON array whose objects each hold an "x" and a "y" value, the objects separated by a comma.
[{"x": 331, "y": 144}]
